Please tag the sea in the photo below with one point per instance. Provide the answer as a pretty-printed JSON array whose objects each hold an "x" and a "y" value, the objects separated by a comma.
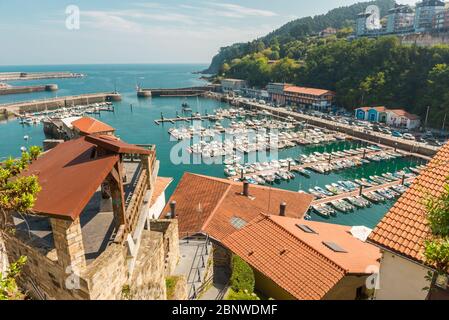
[{"x": 134, "y": 122}]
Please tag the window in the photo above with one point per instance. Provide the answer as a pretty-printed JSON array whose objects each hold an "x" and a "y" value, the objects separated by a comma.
[
  {"x": 306, "y": 229},
  {"x": 334, "y": 247},
  {"x": 237, "y": 222}
]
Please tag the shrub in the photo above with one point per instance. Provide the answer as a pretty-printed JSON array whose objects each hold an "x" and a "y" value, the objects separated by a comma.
[
  {"x": 241, "y": 295},
  {"x": 242, "y": 278}
]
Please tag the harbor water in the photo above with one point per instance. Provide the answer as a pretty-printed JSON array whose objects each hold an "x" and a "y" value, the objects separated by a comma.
[{"x": 134, "y": 122}]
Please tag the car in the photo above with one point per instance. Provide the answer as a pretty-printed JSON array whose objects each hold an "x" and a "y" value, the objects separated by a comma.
[
  {"x": 396, "y": 134},
  {"x": 408, "y": 136}
]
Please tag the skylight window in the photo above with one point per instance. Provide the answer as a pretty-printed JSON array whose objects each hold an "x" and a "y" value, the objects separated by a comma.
[
  {"x": 334, "y": 247},
  {"x": 306, "y": 229},
  {"x": 238, "y": 223}
]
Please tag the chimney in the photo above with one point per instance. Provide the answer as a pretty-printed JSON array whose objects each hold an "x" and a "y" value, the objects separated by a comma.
[
  {"x": 173, "y": 209},
  {"x": 282, "y": 210},
  {"x": 246, "y": 188}
]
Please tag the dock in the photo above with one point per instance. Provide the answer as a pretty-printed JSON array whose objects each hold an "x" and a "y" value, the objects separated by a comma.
[
  {"x": 175, "y": 92},
  {"x": 13, "y": 76},
  {"x": 27, "y": 89},
  {"x": 419, "y": 149},
  {"x": 298, "y": 168},
  {"x": 360, "y": 191},
  {"x": 19, "y": 108}
]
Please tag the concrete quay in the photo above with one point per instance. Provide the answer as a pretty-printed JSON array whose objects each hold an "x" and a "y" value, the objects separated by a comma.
[
  {"x": 12, "y": 76},
  {"x": 19, "y": 108},
  {"x": 27, "y": 89}
]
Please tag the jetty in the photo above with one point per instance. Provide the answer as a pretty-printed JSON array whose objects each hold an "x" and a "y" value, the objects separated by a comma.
[
  {"x": 27, "y": 89},
  {"x": 361, "y": 191},
  {"x": 176, "y": 92},
  {"x": 19, "y": 108},
  {"x": 13, "y": 76}
]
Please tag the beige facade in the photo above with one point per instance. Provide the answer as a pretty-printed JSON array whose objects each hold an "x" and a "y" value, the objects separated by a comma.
[{"x": 401, "y": 279}]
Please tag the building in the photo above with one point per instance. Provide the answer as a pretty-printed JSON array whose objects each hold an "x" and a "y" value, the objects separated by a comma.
[
  {"x": 86, "y": 126},
  {"x": 258, "y": 94},
  {"x": 259, "y": 224},
  {"x": 361, "y": 28},
  {"x": 294, "y": 259},
  {"x": 90, "y": 236},
  {"x": 372, "y": 114},
  {"x": 232, "y": 85},
  {"x": 398, "y": 118},
  {"x": 425, "y": 13},
  {"x": 276, "y": 92},
  {"x": 400, "y": 19},
  {"x": 401, "y": 234},
  {"x": 328, "y": 32},
  {"x": 441, "y": 21},
  {"x": 310, "y": 98}
]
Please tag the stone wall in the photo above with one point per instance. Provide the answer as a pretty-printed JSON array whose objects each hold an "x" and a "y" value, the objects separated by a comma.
[
  {"x": 108, "y": 276},
  {"x": 169, "y": 229}
]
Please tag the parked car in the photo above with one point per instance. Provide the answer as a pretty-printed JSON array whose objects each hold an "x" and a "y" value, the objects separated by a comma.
[
  {"x": 396, "y": 134},
  {"x": 408, "y": 136}
]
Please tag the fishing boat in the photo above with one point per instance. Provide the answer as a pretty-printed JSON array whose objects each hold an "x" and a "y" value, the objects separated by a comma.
[
  {"x": 325, "y": 192},
  {"x": 354, "y": 201},
  {"x": 321, "y": 211},
  {"x": 317, "y": 194}
]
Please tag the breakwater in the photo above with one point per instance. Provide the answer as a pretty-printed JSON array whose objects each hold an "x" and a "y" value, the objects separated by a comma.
[
  {"x": 28, "y": 89},
  {"x": 176, "y": 92},
  {"x": 54, "y": 103},
  {"x": 10, "y": 76}
]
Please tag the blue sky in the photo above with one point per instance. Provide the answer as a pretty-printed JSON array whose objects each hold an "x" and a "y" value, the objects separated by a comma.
[{"x": 136, "y": 31}]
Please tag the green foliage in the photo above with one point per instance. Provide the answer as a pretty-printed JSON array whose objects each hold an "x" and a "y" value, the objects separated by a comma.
[
  {"x": 241, "y": 295},
  {"x": 170, "y": 283},
  {"x": 242, "y": 278},
  {"x": 8, "y": 284},
  {"x": 300, "y": 29},
  {"x": 438, "y": 213},
  {"x": 436, "y": 253}
]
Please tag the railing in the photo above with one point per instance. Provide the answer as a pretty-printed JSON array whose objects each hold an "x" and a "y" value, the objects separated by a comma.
[
  {"x": 198, "y": 257},
  {"x": 132, "y": 210}
]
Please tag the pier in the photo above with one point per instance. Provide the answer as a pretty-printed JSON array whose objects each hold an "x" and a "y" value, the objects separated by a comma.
[
  {"x": 310, "y": 166},
  {"x": 361, "y": 191},
  {"x": 10, "y": 76},
  {"x": 27, "y": 89},
  {"x": 18, "y": 108},
  {"x": 176, "y": 92}
]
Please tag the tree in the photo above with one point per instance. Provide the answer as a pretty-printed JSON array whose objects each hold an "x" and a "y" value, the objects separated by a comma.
[
  {"x": 17, "y": 194},
  {"x": 436, "y": 248}
]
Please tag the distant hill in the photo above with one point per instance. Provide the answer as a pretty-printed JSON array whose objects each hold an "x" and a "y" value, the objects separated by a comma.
[{"x": 337, "y": 18}]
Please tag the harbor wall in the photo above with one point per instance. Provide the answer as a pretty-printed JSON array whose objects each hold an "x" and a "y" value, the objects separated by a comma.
[
  {"x": 177, "y": 92},
  {"x": 9, "y": 76},
  {"x": 28, "y": 89},
  {"x": 55, "y": 103}
]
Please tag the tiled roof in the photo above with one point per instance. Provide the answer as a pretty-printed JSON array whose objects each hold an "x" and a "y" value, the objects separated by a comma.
[
  {"x": 160, "y": 187},
  {"x": 403, "y": 113},
  {"x": 378, "y": 109},
  {"x": 88, "y": 125},
  {"x": 310, "y": 91},
  {"x": 297, "y": 261},
  {"x": 404, "y": 228},
  {"x": 207, "y": 204}
]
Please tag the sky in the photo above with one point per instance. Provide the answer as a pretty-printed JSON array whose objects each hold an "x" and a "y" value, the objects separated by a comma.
[{"x": 136, "y": 31}]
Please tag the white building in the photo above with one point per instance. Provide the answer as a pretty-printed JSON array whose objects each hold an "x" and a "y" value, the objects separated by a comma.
[
  {"x": 232, "y": 85},
  {"x": 400, "y": 118},
  {"x": 401, "y": 234}
]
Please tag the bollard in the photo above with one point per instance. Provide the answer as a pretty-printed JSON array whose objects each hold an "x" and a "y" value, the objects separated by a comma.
[{"x": 361, "y": 190}]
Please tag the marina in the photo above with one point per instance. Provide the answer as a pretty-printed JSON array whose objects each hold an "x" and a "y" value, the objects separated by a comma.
[{"x": 136, "y": 124}]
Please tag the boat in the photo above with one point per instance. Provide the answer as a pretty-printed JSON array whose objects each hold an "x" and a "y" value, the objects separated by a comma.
[
  {"x": 320, "y": 211},
  {"x": 325, "y": 192}
]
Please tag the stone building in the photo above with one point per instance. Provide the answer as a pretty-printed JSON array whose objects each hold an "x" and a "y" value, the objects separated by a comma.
[{"x": 90, "y": 235}]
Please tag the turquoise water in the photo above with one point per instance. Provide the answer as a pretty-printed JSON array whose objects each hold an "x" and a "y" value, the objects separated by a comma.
[{"x": 136, "y": 125}]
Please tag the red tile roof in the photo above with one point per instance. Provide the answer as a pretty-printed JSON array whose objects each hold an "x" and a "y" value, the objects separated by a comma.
[
  {"x": 403, "y": 113},
  {"x": 88, "y": 125},
  {"x": 404, "y": 228},
  {"x": 378, "y": 109},
  {"x": 310, "y": 91},
  {"x": 297, "y": 261},
  {"x": 160, "y": 187},
  {"x": 69, "y": 176},
  {"x": 207, "y": 205}
]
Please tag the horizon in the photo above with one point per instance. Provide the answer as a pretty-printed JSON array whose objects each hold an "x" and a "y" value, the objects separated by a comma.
[{"x": 111, "y": 32}]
